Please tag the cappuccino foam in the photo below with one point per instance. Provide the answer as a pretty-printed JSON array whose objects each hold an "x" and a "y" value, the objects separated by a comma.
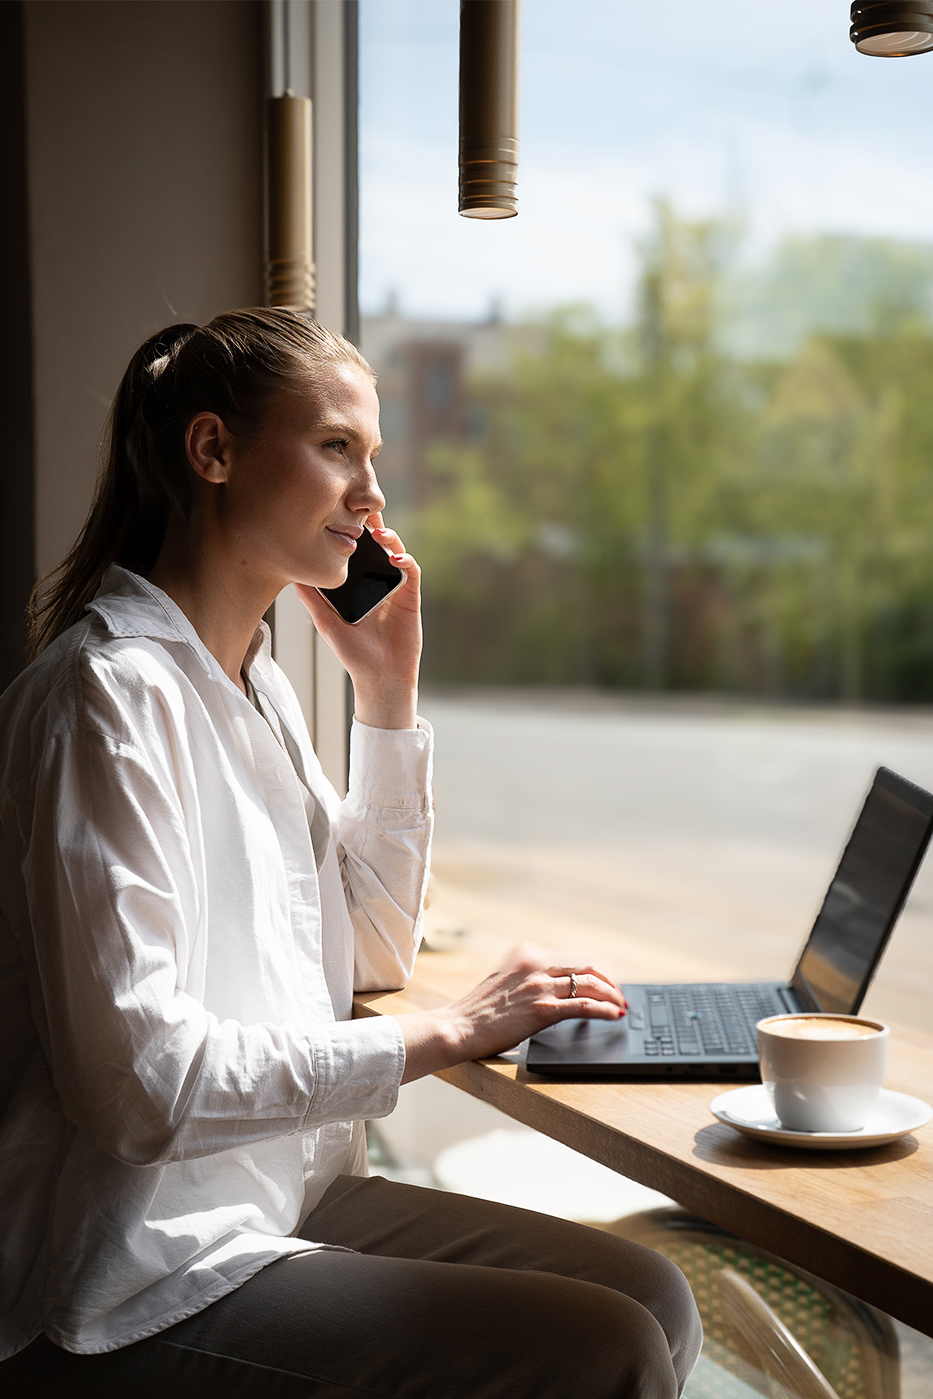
[{"x": 822, "y": 1027}]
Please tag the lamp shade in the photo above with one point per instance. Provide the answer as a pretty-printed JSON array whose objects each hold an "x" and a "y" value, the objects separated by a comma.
[
  {"x": 289, "y": 265},
  {"x": 892, "y": 28},
  {"x": 488, "y": 108}
]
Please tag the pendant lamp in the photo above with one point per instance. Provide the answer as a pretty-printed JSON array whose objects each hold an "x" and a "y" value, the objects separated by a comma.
[
  {"x": 289, "y": 262},
  {"x": 892, "y": 28},
  {"x": 488, "y": 108}
]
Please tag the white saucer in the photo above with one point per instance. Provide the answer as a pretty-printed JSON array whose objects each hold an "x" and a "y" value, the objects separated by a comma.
[{"x": 749, "y": 1110}]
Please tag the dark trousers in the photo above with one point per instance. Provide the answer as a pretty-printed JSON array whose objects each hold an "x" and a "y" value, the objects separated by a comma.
[{"x": 430, "y": 1296}]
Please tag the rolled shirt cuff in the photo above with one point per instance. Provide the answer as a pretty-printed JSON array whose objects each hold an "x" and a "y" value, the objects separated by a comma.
[
  {"x": 358, "y": 1069},
  {"x": 392, "y": 768}
]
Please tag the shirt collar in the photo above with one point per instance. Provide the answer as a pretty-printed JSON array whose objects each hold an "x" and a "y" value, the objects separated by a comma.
[{"x": 129, "y": 605}]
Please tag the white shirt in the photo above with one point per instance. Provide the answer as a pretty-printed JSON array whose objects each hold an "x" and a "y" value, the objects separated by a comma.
[{"x": 180, "y": 1075}]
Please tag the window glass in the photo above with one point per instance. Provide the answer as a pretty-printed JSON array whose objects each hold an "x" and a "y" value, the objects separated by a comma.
[{"x": 662, "y": 444}]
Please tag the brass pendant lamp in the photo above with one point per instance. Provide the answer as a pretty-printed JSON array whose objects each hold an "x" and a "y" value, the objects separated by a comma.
[
  {"x": 488, "y": 108},
  {"x": 289, "y": 263},
  {"x": 892, "y": 28}
]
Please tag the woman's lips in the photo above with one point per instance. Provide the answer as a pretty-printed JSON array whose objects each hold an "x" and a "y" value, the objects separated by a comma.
[{"x": 347, "y": 537}]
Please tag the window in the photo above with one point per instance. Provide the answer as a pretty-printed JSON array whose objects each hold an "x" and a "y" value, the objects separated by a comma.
[{"x": 674, "y": 507}]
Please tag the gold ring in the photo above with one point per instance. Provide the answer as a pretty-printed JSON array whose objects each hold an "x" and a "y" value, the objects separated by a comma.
[{"x": 573, "y": 984}]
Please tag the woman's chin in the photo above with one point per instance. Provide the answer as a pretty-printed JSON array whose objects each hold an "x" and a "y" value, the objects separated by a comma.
[
  {"x": 332, "y": 579},
  {"x": 338, "y": 579}
]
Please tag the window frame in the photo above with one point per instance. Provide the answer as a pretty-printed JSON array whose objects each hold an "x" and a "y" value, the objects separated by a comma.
[{"x": 324, "y": 65}]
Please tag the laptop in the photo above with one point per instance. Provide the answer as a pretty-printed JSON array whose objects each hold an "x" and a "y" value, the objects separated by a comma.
[{"x": 707, "y": 1030}]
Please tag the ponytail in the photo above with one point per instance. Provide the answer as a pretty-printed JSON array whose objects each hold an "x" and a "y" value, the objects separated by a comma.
[{"x": 231, "y": 367}]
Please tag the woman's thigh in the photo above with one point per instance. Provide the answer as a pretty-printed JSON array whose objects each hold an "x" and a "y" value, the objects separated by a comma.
[
  {"x": 427, "y": 1296},
  {"x": 384, "y": 1218}
]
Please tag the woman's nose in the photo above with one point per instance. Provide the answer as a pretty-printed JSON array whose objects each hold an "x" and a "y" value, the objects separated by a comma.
[{"x": 367, "y": 494}]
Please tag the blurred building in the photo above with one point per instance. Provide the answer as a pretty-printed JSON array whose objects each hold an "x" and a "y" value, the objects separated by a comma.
[{"x": 425, "y": 369}]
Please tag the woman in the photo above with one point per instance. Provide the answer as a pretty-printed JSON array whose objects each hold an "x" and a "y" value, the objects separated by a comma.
[{"x": 187, "y": 909}]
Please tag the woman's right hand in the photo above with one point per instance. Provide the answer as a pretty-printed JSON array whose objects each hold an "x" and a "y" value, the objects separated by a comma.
[
  {"x": 529, "y": 992},
  {"x": 381, "y": 653}
]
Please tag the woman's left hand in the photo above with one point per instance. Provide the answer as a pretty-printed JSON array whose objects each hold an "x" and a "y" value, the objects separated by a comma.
[
  {"x": 382, "y": 653},
  {"x": 529, "y": 992}
]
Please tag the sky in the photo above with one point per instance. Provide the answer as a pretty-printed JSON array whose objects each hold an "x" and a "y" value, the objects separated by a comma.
[{"x": 763, "y": 113}]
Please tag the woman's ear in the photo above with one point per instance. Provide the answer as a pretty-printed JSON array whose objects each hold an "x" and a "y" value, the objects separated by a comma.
[{"x": 207, "y": 444}]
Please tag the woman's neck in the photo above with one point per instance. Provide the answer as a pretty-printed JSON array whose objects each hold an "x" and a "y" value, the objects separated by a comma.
[{"x": 223, "y": 606}]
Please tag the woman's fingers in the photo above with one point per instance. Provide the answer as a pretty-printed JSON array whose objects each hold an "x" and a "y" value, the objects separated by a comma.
[
  {"x": 577, "y": 989},
  {"x": 580, "y": 983},
  {"x": 529, "y": 996},
  {"x": 389, "y": 540},
  {"x": 588, "y": 984},
  {"x": 593, "y": 976},
  {"x": 593, "y": 1000},
  {"x": 394, "y": 546}
]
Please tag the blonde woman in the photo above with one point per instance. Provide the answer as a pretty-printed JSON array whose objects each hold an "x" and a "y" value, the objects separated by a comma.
[{"x": 187, "y": 908}]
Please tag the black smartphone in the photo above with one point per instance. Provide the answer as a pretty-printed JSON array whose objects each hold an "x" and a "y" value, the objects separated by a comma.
[{"x": 371, "y": 578}]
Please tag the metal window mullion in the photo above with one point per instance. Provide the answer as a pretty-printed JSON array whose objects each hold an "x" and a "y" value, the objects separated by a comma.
[{"x": 322, "y": 64}]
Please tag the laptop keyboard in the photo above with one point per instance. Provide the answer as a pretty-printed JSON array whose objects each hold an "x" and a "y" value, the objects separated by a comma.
[{"x": 716, "y": 1019}]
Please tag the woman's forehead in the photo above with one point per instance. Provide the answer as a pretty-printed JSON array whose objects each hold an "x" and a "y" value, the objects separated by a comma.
[
  {"x": 343, "y": 397},
  {"x": 343, "y": 390}
]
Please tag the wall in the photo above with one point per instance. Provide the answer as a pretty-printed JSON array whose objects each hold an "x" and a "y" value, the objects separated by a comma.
[
  {"x": 145, "y": 205},
  {"x": 142, "y": 150}
]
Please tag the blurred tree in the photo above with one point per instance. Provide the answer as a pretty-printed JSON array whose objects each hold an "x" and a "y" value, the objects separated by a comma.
[
  {"x": 823, "y": 284},
  {"x": 645, "y": 509},
  {"x": 680, "y": 388}
]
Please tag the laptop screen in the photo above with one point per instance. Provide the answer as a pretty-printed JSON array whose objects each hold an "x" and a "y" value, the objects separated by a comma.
[{"x": 866, "y": 895}]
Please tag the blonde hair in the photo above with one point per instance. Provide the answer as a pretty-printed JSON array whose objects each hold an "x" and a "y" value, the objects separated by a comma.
[{"x": 235, "y": 367}]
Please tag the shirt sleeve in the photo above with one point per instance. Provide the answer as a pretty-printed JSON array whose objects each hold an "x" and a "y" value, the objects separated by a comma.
[
  {"x": 110, "y": 896},
  {"x": 384, "y": 831}
]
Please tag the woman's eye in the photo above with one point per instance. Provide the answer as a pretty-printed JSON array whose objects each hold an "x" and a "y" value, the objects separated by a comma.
[{"x": 339, "y": 444}]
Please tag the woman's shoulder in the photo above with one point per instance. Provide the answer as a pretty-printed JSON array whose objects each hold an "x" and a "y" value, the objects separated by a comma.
[
  {"x": 45, "y": 687},
  {"x": 87, "y": 683}
]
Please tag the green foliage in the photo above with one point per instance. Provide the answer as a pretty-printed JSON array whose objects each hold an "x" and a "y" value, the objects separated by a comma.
[
  {"x": 645, "y": 508},
  {"x": 832, "y": 283}
]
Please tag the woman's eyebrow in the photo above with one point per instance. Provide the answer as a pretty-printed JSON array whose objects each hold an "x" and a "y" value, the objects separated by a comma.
[{"x": 343, "y": 430}]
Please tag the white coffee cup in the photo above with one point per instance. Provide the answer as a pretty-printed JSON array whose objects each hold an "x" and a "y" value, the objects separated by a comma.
[{"x": 823, "y": 1072}]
